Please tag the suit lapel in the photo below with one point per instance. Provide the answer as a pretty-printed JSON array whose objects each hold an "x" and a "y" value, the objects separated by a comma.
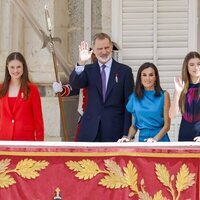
[
  {"x": 112, "y": 78},
  {"x": 7, "y": 104},
  {"x": 97, "y": 76},
  {"x": 18, "y": 101}
]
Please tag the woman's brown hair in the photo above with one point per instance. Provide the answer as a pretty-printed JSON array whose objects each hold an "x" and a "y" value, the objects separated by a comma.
[
  {"x": 186, "y": 78},
  {"x": 139, "y": 88},
  {"x": 24, "y": 78}
]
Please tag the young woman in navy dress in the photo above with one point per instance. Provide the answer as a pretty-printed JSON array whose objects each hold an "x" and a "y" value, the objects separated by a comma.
[{"x": 187, "y": 98}]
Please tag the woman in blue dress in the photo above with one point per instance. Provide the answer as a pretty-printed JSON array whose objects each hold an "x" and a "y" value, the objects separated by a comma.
[
  {"x": 149, "y": 106},
  {"x": 187, "y": 98}
]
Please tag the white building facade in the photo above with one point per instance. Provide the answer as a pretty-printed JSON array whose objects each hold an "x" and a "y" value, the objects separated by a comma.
[{"x": 159, "y": 31}]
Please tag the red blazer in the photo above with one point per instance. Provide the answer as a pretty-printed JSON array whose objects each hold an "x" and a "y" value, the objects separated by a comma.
[{"x": 26, "y": 121}]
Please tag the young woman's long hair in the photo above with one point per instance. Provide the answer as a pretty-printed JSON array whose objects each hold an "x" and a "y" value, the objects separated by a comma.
[
  {"x": 139, "y": 88},
  {"x": 24, "y": 78},
  {"x": 186, "y": 78}
]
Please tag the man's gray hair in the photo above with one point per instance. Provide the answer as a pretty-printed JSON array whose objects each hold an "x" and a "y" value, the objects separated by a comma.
[{"x": 101, "y": 36}]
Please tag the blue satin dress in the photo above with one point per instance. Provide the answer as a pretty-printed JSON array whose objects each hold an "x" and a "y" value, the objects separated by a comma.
[{"x": 148, "y": 114}]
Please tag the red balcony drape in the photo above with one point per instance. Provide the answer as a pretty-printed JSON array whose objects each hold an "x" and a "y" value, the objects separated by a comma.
[{"x": 96, "y": 171}]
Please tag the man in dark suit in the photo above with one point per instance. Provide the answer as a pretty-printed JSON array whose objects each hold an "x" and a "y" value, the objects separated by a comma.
[{"x": 105, "y": 118}]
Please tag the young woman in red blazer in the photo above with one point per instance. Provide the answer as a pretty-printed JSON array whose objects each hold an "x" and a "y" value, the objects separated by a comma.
[{"x": 20, "y": 104}]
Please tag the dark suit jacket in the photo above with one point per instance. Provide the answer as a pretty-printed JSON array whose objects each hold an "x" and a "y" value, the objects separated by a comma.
[{"x": 111, "y": 114}]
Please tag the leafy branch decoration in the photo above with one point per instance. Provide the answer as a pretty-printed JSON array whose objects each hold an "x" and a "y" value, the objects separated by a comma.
[
  {"x": 27, "y": 168},
  {"x": 116, "y": 177},
  {"x": 184, "y": 179}
]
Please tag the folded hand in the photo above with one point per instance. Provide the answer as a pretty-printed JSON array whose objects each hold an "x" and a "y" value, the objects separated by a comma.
[
  {"x": 197, "y": 139},
  {"x": 123, "y": 139},
  {"x": 151, "y": 140}
]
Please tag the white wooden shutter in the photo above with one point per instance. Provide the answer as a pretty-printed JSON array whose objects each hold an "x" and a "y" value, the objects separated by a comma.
[
  {"x": 172, "y": 46},
  {"x": 156, "y": 31},
  {"x": 137, "y": 32},
  {"x": 172, "y": 39}
]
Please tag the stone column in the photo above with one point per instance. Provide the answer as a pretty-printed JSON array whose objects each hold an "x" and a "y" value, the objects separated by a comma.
[
  {"x": 17, "y": 39},
  {"x": 106, "y": 16},
  {"x": 11, "y": 32},
  {"x": 6, "y": 24}
]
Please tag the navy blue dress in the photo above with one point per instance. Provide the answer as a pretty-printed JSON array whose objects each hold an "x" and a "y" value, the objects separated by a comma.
[{"x": 190, "y": 123}]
